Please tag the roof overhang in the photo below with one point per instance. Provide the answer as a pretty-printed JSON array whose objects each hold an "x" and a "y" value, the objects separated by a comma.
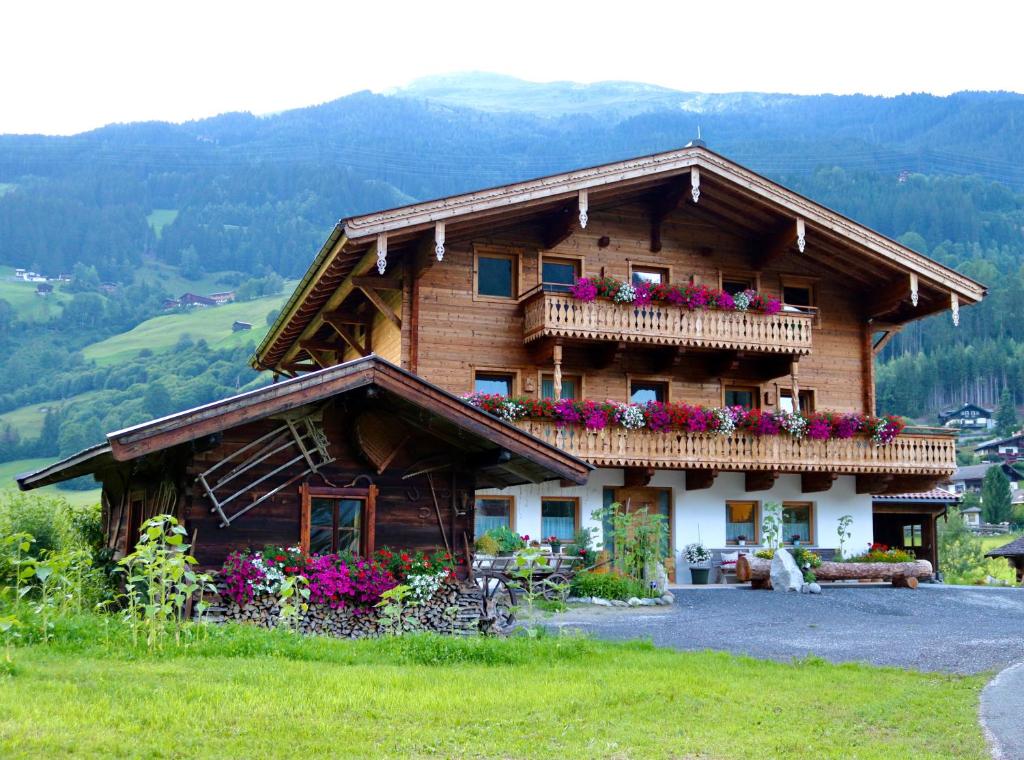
[
  {"x": 354, "y": 238},
  {"x": 529, "y": 454}
]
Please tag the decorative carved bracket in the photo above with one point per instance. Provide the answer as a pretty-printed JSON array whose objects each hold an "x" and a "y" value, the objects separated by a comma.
[
  {"x": 439, "y": 241},
  {"x": 382, "y": 253},
  {"x": 914, "y": 295},
  {"x": 954, "y": 305},
  {"x": 695, "y": 183},
  {"x": 584, "y": 203}
]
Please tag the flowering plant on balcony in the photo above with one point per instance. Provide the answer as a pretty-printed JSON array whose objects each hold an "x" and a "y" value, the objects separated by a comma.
[
  {"x": 690, "y": 418},
  {"x": 689, "y": 296}
]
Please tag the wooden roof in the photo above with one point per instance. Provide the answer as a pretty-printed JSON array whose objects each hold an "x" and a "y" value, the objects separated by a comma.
[
  {"x": 730, "y": 195},
  {"x": 1012, "y": 549},
  {"x": 529, "y": 459}
]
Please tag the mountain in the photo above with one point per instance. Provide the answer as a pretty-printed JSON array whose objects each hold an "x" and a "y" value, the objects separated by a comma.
[{"x": 238, "y": 200}]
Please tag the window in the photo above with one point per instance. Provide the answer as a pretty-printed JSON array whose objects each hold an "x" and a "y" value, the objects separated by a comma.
[
  {"x": 501, "y": 383},
  {"x": 571, "y": 386},
  {"x": 650, "y": 275},
  {"x": 733, "y": 284},
  {"x": 746, "y": 396},
  {"x": 558, "y": 518},
  {"x": 797, "y": 295},
  {"x": 911, "y": 536},
  {"x": 493, "y": 512},
  {"x": 496, "y": 275},
  {"x": 335, "y": 525},
  {"x": 643, "y": 391},
  {"x": 786, "y": 400},
  {"x": 796, "y": 521},
  {"x": 740, "y": 522},
  {"x": 558, "y": 275}
]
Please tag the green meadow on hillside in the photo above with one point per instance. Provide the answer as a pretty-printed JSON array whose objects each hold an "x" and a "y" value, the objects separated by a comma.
[
  {"x": 211, "y": 324},
  {"x": 28, "y": 420},
  {"x": 9, "y": 469},
  {"x": 159, "y": 218},
  {"x": 22, "y": 296}
]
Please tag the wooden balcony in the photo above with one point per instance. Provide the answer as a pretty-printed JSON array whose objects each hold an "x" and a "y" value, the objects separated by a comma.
[
  {"x": 559, "y": 315},
  {"x": 926, "y": 454}
]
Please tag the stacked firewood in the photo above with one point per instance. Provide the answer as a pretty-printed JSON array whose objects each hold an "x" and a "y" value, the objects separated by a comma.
[{"x": 454, "y": 609}]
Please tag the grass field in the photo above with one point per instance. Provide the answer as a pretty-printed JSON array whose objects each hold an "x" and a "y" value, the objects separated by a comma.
[
  {"x": 253, "y": 693},
  {"x": 170, "y": 279},
  {"x": 22, "y": 296},
  {"x": 211, "y": 324},
  {"x": 28, "y": 420},
  {"x": 160, "y": 218},
  {"x": 9, "y": 469},
  {"x": 989, "y": 543}
]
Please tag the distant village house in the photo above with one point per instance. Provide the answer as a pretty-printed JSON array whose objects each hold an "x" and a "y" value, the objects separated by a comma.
[
  {"x": 239, "y": 326},
  {"x": 969, "y": 416}
]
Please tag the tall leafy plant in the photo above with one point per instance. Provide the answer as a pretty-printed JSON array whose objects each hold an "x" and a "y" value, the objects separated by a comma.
[
  {"x": 771, "y": 525},
  {"x": 637, "y": 539}
]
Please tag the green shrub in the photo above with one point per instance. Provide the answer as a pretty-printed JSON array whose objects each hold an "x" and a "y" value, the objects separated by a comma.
[
  {"x": 487, "y": 545},
  {"x": 506, "y": 539},
  {"x": 606, "y": 586}
]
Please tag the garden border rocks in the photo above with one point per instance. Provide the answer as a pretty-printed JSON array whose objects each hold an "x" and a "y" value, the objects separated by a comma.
[{"x": 658, "y": 601}]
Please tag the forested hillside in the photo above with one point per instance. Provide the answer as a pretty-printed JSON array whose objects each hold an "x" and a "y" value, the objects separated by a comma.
[{"x": 240, "y": 201}]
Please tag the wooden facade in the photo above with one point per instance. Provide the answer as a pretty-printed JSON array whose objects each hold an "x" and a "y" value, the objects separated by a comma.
[
  {"x": 404, "y": 283},
  {"x": 404, "y": 457}
]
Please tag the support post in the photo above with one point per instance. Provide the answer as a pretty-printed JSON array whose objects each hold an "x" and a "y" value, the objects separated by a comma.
[
  {"x": 556, "y": 354},
  {"x": 794, "y": 381}
]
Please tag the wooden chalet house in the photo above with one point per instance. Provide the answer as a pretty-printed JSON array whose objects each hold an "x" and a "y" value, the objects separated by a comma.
[
  {"x": 665, "y": 332},
  {"x": 969, "y": 417},
  {"x": 481, "y": 293}
]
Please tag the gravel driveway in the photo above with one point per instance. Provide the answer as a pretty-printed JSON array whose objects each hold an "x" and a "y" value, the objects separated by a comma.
[{"x": 960, "y": 630}]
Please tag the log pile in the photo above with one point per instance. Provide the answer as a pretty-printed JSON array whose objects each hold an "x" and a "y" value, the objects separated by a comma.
[
  {"x": 455, "y": 609},
  {"x": 903, "y": 574}
]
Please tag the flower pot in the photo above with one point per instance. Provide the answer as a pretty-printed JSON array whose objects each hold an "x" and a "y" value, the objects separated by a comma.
[
  {"x": 741, "y": 543},
  {"x": 699, "y": 575}
]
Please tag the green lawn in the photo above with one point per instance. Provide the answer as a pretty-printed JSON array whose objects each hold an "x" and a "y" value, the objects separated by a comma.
[
  {"x": 9, "y": 469},
  {"x": 159, "y": 218},
  {"x": 22, "y": 296},
  {"x": 212, "y": 324},
  {"x": 251, "y": 693},
  {"x": 168, "y": 277},
  {"x": 988, "y": 543},
  {"x": 28, "y": 420}
]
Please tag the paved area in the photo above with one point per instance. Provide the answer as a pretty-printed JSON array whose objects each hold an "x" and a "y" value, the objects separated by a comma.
[
  {"x": 1000, "y": 713},
  {"x": 936, "y": 628}
]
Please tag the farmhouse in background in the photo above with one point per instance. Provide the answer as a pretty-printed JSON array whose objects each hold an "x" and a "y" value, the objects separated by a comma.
[
  {"x": 969, "y": 417},
  {"x": 44, "y": 289},
  {"x": 721, "y": 313},
  {"x": 1008, "y": 449},
  {"x": 240, "y": 326},
  {"x": 226, "y": 296},
  {"x": 194, "y": 299},
  {"x": 969, "y": 479}
]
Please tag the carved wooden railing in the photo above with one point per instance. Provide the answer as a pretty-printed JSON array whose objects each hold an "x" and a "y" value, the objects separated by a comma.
[
  {"x": 908, "y": 454},
  {"x": 559, "y": 315}
]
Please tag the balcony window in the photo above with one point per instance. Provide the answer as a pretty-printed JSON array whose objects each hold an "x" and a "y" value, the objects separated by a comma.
[
  {"x": 733, "y": 285},
  {"x": 501, "y": 383},
  {"x": 740, "y": 395},
  {"x": 571, "y": 385},
  {"x": 558, "y": 518},
  {"x": 496, "y": 275},
  {"x": 786, "y": 401},
  {"x": 650, "y": 275},
  {"x": 644, "y": 391},
  {"x": 797, "y": 296},
  {"x": 740, "y": 520},
  {"x": 558, "y": 274},
  {"x": 493, "y": 512},
  {"x": 796, "y": 521}
]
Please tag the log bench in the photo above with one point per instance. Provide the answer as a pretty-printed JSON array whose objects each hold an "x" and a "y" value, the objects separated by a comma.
[
  {"x": 723, "y": 572},
  {"x": 901, "y": 574}
]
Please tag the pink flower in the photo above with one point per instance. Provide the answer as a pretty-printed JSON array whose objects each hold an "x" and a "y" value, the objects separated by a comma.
[
  {"x": 584, "y": 289},
  {"x": 819, "y": 429},
  {"x": 643, "y": 294}
]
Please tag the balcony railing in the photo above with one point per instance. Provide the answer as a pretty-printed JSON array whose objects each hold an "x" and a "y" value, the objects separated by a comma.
[
  {"x": 924, "y": 454},
  {"x": 559, "y": 315}
]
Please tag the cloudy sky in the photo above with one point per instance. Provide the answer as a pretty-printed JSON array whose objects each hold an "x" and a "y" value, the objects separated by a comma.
[{"x": 71, "y": 66}]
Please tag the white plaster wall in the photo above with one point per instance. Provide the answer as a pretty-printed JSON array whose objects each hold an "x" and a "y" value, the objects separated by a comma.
[{"x": 700, "y": 515}]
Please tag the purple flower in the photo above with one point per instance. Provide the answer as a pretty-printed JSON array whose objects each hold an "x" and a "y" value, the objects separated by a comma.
[
  {"x": 819, "y": 429},
  {"x": 643, "y": 294},
  {"x": 584, "y": 289}
]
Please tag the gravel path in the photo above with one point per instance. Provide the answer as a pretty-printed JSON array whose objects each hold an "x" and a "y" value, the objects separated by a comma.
[{"x": 958, "y": 630}]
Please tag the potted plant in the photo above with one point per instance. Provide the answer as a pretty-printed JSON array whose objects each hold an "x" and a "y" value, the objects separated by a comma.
[
  {"x": 699, "y": 559},
  {"x": 741, "y": 540},
  {"x": 556, "y": 544},
  {"x": 509, "y": 542},
  {"x": 796, "y": 539}
]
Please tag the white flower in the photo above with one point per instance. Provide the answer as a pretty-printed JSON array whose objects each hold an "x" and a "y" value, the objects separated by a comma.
[
  {"x": 631, "y": 417},
  {"x": 423, "y": 587},
  {"x": 726, "y": 418},
  {"x": 273, "y": 577},
  {"x": 742, "y": 300},
  {"x": 625, "y": 294},
  {"x": 696, "y": 554},
  {"x": 511, "y": 411},
  {"x": 793, "y": 423}
]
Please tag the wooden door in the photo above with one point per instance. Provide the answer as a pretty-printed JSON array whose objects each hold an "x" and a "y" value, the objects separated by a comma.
[{"x": 656, "y": 501}]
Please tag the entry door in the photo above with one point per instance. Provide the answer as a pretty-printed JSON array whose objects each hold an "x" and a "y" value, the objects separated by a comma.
[{"x": 657, "y": 501}]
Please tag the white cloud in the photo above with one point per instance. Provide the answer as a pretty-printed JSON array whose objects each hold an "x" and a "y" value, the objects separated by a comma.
[{"x": 70, "y": 66}]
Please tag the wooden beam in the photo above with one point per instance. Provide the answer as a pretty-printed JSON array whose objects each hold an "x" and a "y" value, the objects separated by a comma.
[
  {"x": 759, "y": 480},
  {"x": 378, "y": 283},
  {"x": 318, "y": 345},
  {"x": 698, "y": 480},
  {"x": 888, "y": 300},
  {"x": 381, "y": 305},
  {"x": 609, "y": 354},
  {"x": 346, "y": 335},
  {"x": 872, "y": 483},
  {"x": 817, "y": 482},
  {"x": 637, "y": 477},
  {"x": 888, "y": 333},
  {"x": 669, "y": 359}
]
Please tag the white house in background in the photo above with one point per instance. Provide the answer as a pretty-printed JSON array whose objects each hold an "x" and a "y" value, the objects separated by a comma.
[
  {"x": 972, "y": 516},
  {"x": 968, "y": 417}
]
